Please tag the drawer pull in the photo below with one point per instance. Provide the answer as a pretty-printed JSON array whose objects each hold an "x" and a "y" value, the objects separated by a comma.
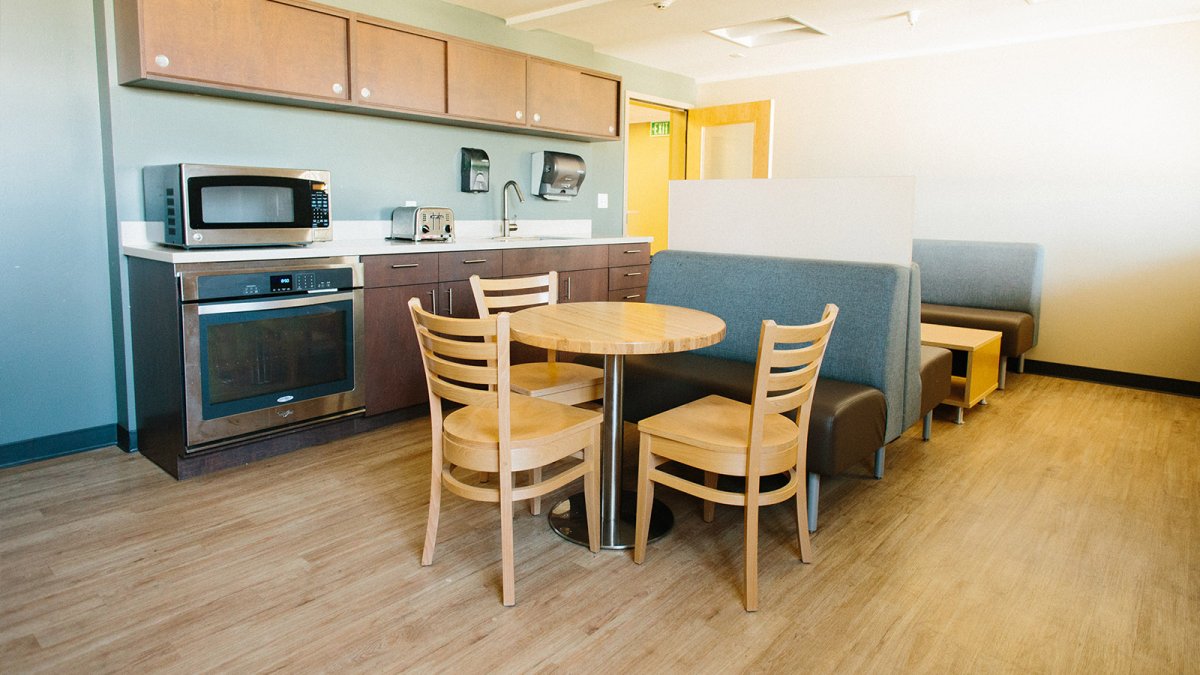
[
  {"x": 475, "y": 262},
  {"x": 636, "y": 250},
  {"x": 405, "y": 266},
  {"x": 633, "y": 274},
  {"x": 633, "y": 297}
]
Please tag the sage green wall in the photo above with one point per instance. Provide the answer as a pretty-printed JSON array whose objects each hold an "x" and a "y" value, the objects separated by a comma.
[{"x": 56, "y": 364}]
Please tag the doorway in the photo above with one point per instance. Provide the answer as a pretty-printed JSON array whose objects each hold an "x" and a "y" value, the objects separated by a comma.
[
  {"x": 657, "y": 154},
  {"x": 666, "y": 143}
]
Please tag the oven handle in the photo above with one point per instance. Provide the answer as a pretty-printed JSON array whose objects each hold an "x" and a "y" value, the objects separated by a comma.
[{"x": 234, "y": 307}]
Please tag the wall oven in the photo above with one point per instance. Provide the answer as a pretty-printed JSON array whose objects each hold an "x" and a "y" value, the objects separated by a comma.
[{"x": 269, "y": 344}]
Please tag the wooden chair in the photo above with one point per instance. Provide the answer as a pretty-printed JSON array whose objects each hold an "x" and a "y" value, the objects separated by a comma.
[
  {"x": 553, "y": 380},
  {"x": 496, "y": 431},
  {"x": 726, "y": 437}
]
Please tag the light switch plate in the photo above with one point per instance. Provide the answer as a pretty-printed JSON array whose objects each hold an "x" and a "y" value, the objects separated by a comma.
[{"x": 602, "y": 200}]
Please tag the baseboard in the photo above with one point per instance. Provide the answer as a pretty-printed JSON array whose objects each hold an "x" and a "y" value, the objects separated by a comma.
[
  {"x": 57, "y": 445},
  {"x": 1165, "y": 385},
  {"x": 126, "y": 439}
]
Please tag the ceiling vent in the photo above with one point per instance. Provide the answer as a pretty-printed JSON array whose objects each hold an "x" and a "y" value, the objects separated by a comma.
[{"x": 768, "y": 32}]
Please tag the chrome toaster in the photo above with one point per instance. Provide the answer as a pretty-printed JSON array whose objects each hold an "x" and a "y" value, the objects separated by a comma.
[{"x": 422, "y": 223}]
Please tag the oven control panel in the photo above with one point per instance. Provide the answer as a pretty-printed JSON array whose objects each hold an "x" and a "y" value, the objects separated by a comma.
[{"x": 270, "y": 282}]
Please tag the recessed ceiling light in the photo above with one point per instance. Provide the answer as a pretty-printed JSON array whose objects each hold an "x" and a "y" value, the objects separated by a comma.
[{"x": 768, "y": 32}]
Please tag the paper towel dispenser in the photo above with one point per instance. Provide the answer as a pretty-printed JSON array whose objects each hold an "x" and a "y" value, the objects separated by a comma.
[{"x": 557, "y": 175}]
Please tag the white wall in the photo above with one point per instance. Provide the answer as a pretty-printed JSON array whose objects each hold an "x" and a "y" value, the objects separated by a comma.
[
  {"x": 861, "y": 219},
  {"x": 1089, "y": 145}
]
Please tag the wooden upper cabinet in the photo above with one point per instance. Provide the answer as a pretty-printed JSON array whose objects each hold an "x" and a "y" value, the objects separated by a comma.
[
  {"x": 268, "y": 45},
  {"x": 399, "y": 69},
  {"x": 485, "y": 83},
  {"x": 565, "y": 98},
  {"x": 303, "y": 53}
]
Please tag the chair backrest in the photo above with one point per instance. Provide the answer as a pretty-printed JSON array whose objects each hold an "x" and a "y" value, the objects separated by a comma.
[
  {"x": 785, "y": 374},
  {"x": 466, "y": 360},
  {"x": 498, "y": 295}
]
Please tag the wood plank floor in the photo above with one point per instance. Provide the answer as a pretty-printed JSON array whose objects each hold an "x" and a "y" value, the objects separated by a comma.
[{"x": 1058, "y": 530}]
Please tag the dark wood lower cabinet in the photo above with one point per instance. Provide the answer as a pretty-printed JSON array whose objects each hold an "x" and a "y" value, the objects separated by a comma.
[
  {"x": 583, "y": 286},
  {"x": 395, "y": 376}
]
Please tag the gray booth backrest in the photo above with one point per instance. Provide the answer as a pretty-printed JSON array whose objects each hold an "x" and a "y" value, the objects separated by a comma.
[
  {"x": 987, "y": 274},
  {"x": 872, "y": 344}
]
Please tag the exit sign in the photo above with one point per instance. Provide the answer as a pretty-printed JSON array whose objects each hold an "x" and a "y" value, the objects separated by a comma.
[{"x": 660, "y": 128}]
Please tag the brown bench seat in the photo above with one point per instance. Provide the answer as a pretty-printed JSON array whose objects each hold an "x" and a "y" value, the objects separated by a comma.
[{"x": 1015, "y": 327}]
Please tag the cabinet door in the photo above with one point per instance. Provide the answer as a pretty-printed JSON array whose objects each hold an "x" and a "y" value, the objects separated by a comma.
[
  {"x": 583, "y": 286},
  {"x": 455, "y": 299},
  {"x": 567, "y": 99},
  {"x": 395, "y": 376},
  {"x": 265, "y": 45},
  {"x": 398, "y": 69},
  {"x": 486, "y": 84}
]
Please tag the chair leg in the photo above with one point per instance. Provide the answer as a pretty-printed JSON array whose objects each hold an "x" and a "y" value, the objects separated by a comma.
[
  {"x": 591, "y": 490},
  {"x": 1003, "y": 370},
  {"x": 802, "y": 526},
  {"x": 535, "y": 503},
  {"x": 927, "y": 426},
  {"x": 1021, "y": 363},
  {"x": 645, "y": 500},
  {"x": 435, "y": 504},
  {"x": 814, "y": 489},
  {"x": 751, "y": 537},
  {"x": 507, "y": 573},
  {"x": 879, "y": 456},
  {"x": 710, "y": 481}
]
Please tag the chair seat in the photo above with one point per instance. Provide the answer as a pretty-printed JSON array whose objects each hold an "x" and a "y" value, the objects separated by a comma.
[
  {"x": 710, "y": 434},
  {"x": 559, "y": 377},
  {"x": 542, "y": 432}
]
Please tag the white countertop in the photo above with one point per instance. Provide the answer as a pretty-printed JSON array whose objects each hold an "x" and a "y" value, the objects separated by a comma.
[{"x": 352, "y": 238}]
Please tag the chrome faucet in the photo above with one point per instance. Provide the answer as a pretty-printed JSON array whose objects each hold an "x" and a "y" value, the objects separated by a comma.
[{"x": 508, "y": 223}]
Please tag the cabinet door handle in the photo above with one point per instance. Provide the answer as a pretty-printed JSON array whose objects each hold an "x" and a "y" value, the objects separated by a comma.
[
  {"x": 449, "y": 302},
  {"x": 433, "y": 301},
  {"x": 633, "y": 274},
  {"x": 636, "y": 250},
  {"x": 405, "y": 266},
  {"x": 568, "y": 288},
  {"x": 475, "y": 262},
  {"x": 633, "y": 297}
]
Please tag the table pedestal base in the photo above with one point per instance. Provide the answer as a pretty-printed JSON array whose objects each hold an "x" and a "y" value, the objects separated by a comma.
[{"x": 569, "y": 519}]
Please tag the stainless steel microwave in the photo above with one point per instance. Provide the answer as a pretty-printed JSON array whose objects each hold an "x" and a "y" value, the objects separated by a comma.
[{"x": 202, "y": 205}]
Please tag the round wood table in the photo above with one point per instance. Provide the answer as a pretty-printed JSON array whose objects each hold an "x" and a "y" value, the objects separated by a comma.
[{"x": 613, "y": 329}]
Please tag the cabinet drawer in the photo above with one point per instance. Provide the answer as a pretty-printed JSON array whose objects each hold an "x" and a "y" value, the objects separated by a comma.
[
  {"x": 620, "y": 255},
  {"x": 628, "y": 294},
  {"x": 461, "y": 265},
  {"x": 399, "y": 270},
  {"x": 628, "y": 277},
  {"x": 519, "y": 262}
]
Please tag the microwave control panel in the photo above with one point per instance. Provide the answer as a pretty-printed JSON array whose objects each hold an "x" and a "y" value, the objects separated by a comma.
[
  {"x": 257, "y": 284},
  {"x": 320, "y": 205}
]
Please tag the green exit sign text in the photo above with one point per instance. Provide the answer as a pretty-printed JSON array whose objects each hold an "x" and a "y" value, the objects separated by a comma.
[{"x": 660, "y": 128}]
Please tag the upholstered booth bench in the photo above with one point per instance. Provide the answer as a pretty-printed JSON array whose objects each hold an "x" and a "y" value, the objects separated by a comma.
[
  {"x": 869, "y": 386},
  {"x": 982, "y": 284}
]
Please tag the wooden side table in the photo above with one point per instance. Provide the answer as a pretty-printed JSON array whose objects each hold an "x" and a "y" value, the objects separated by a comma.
[{"x": 983, "y": 362}]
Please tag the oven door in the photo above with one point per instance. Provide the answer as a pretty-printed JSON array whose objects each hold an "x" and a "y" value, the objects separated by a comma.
[{"x": 255, "y": 365}]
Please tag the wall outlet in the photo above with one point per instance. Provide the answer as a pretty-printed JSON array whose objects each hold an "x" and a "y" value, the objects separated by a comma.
[{"x": 602, "y": 200}]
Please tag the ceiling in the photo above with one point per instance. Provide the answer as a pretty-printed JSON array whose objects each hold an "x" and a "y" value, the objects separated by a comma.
[{"x": 854, "y": 31}]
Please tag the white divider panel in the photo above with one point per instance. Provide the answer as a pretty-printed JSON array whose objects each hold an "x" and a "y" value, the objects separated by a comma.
[{"x": 860, "y": 219}]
